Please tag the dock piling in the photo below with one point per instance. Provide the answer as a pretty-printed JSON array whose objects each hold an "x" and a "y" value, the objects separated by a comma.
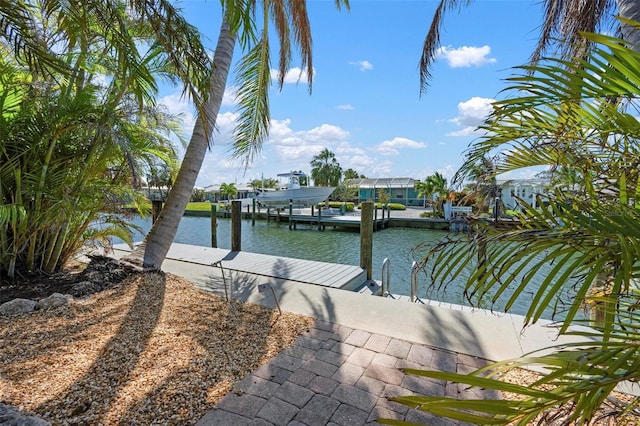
[
  {"x": 236, "y": 225},
  {"x": 291, "y": 215},
  {"x": 366, "y": 237},
  {"x": 253, "y": 216},
  {"x": 214, "y": 226}
]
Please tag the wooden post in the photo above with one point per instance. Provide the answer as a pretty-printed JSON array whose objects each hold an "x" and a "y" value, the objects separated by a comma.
[
  {"x": 214, "y": 225},
  {"x": 236, "y": 225},
  {"x": 312, "y": 214},
  {"x": 156, "y": 208},
  {"x": 366, "y": 237},
  {"x": 253, "y": 216},
  {"x": 382, "y": 224},
  {"x": 290, "y": 215},
  {"x": 375, "y": 216},
  {"x": 319, "y": 218},
  {"x": 268, "y": 214}
]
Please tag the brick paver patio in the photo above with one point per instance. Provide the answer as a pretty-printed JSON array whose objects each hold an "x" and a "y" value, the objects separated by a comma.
[{"x": 335, "y": 375}]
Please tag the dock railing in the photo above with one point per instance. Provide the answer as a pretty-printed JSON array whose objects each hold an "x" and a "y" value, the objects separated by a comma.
[
  {"x": 386, "y": 278},
  {"x": 414, "y": 282}
]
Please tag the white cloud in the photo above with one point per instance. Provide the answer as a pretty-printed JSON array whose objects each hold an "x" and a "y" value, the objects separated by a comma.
[
  {"x": 471, "y": 114},
  {"x": 391, "y": 147},
  {"x": 466, "y": 56},
  {"x": 293, "y": 76},
  {"x": 362, "y": 65},
  {"x": 345, "y": 107},
  {"x": 229, "y": 97}
]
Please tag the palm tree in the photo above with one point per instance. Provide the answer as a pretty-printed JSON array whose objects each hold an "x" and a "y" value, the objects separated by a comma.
[
  {"x": 433, "y": 184},
  {"x": 571, "y": 240},
  {"x": 563, "y": 20},
  {"x": 326, "y": 170},
  {"x": 483, "y": 186},
  {"x": 228, "y": 190},
  {"x": 352, "y": 174},
  {"x": 254, "y": 79}
]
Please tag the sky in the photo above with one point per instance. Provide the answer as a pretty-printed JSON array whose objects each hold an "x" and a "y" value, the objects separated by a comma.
[{"x": 365, "y": 105}]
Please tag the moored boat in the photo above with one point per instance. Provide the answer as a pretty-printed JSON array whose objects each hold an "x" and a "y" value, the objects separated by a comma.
[{"x": 299, "y": 196}]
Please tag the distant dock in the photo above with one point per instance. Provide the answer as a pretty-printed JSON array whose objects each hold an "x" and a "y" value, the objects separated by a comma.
[{"x": 335, "y": 221}]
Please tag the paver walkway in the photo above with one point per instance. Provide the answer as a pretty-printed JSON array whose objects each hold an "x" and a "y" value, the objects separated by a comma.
[{"x": 336, "y": 375}]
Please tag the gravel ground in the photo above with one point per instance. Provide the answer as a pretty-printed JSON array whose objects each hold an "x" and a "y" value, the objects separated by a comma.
[{"x": 152, "y": 350}]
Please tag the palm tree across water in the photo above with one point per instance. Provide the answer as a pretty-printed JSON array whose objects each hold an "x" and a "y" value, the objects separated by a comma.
[
  {"x": 292, "y": 28},
  {"x": 228, "y": 190},
  {"x": 326, "y": 170}
]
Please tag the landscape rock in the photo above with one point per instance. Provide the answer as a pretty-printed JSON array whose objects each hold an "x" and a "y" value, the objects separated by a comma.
[
  {"x": 56, "y": 300},
  {"x": 9, "y": 416},
  {"x": 18, "y": 307},
  {"x": 85, "y": 288}
]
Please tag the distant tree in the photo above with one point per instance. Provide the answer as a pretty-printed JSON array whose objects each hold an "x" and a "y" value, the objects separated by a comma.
[
  {"x": 198, "y": 195},
  {"x": 484, "y": 186},
  {"x": 229, "y": 190},
  {"x": 425, "y": 190},
  {"x": 352, "y": 174},
  {"x": 383, "y": 196},
  {"x": 269, "y": 183},
  {"x": 569, "y": 178},
  {"x": 160, "y": 177},
  {"x": 345, "y": 192},
  {"x": 326, "y": 170},
  {"x": 438, "y": 184}
]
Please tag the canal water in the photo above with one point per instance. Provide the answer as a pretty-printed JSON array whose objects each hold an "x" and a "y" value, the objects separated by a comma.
[{"x": 400, "y": 245}]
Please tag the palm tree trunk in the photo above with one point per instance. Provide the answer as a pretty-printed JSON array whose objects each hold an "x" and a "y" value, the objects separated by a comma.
[
  {"x": 161, "y": 235},
  {"x": 630, "y": 9}
]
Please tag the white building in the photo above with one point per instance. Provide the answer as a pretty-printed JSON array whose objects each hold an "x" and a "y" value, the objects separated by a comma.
[{"x": 525, "y": 189}]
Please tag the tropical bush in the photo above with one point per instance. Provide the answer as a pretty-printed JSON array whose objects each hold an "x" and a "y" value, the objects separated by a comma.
[
  {"x": 75, "y": 141},
  {"x": 587, "y": 243}
]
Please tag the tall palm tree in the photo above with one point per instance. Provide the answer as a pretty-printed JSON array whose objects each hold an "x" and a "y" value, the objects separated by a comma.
[
  {"x": 325, "y": 169},
  {"x": 563, "y": 20},
  {"x": 292, "y": 28},
  {"x": 571, "y": 241}
]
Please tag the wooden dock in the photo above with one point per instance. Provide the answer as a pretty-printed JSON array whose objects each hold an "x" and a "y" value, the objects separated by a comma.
[{"x": 335, "y": 275}]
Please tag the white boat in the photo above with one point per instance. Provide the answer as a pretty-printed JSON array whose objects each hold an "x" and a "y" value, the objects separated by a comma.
[{"x": 299, "y": 196}]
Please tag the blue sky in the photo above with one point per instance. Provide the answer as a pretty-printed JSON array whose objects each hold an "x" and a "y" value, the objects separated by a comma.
[{"x": 366, "y": 106}]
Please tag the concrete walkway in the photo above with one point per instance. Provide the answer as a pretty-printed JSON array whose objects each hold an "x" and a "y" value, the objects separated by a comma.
[{"x": 343, "y": 370}]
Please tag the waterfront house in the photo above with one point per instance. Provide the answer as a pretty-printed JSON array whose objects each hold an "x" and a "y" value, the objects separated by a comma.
[
  {"x": 525, "y": 189},
  {"x": 212, "y": 193},
  {"x": 401, "y": 190}
]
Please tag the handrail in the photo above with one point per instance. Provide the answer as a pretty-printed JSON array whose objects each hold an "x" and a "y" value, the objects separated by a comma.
[
  {"x": 414, "y": 281},
  {"x": 385, "y": 282}
]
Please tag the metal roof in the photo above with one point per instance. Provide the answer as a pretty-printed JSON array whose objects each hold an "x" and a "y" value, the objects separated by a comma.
[{"x": 400, "y": 182}]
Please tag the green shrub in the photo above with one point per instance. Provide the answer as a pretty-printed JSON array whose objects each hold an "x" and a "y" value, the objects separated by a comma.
[
  {"x": 391, "y": 206},
  {"x": 338, "y": 204}
]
